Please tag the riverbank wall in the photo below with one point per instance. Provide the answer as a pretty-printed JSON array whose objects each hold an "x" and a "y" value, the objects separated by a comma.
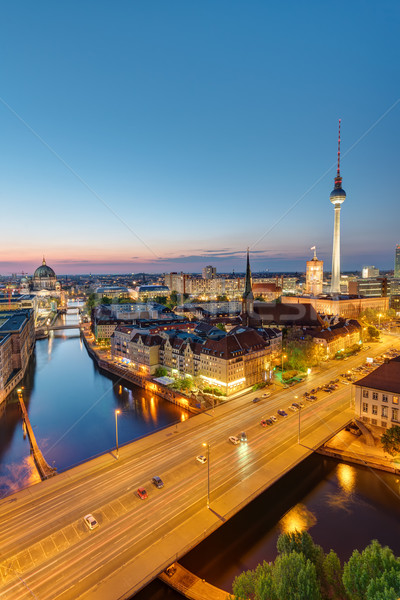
[{"x": 141, "y": 381}]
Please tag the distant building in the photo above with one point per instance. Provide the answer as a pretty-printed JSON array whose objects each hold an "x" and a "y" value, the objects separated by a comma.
[
  {"x": 112, "y": 291},
  {"x": 397, "y": 262},
  {"x": 377, "y": 395},
  {"x": 177, "y": 282},
  {"x": 314, "y": 275},
  {"x": 347, "y": 307},
  {"x": 371, "y": 287},
  {"x": 209, "y": 272},
  {"x": 151, "y": 292},
  {"x": 368, "y": 272}
]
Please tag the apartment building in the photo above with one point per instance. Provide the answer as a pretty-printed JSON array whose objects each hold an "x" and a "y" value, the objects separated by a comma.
[{"x": 377, "y": 395}]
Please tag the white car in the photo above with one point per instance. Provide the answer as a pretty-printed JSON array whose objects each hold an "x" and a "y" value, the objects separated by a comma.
[
  {"x": 90, "y": 521},
  {"x": 234, "y": 440},
  {"x": 293, "y": 408},
  {"x": 201, "y": 459},
  {"x": 266, "y": 395},
  {"x": 273, "y": 418}
]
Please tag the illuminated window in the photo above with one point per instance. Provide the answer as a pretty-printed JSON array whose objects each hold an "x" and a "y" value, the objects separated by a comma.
[{"x": 395, "y": 400}]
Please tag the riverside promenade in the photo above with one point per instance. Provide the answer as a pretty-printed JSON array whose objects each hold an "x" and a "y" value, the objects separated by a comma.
[{"x": 191, "y": 586}]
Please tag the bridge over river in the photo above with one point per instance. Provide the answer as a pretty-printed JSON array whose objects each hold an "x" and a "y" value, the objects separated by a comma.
[{"x": 42, "y": 532}]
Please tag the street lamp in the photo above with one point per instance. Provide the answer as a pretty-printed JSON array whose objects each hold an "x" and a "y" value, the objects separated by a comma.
[
  {"x": 298, "y": 434},
  {"x": 208, "y": 473},
  {"x": 283, "y": 356},
  {"x": 379, "y": 320},
  {"x": 117, "y": 412}
]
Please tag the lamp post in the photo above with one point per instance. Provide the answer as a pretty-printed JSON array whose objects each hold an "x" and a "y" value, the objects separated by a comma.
[
  {"x": 379, "y": 320},
  {"x": 117, "y": 412},
  {"x": 283, "y": 356},
  {"x": 298, "y": 434},
  {"x": 208, "y": 473}
]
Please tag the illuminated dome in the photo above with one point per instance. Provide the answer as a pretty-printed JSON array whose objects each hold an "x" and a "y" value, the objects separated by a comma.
[{"x": 44, "y": 277}]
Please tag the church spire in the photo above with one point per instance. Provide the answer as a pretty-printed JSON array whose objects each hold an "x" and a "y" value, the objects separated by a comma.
[{"x": 247, "y": 298}]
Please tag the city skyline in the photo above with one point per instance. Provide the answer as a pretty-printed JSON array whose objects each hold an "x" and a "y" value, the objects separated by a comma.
[{"x": 162, "y": 140}]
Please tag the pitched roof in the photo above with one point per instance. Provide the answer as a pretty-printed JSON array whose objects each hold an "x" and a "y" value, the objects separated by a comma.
[
  {"x": 386, "y": 378},
  {"x": 301, "y": 315},
  {"x": 238, "y": 342}
]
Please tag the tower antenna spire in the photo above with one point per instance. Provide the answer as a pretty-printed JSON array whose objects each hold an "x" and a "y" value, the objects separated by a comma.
[{"x": 338, "y": 153}]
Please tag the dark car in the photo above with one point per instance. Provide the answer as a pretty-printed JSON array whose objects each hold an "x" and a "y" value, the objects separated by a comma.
[
  {"x": 157, "y": 481},
  {"x": 242, "y": 436},
  {"x": 256, "y": 399},
  {"x": 282, "y": 413}
]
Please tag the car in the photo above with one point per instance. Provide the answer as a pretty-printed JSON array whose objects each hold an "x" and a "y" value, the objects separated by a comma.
[
  {"x": 298, "y": 404},
  {"x": 292, "y": 408},
  {"x": 90, "y": 521},
  {"x": 157, "y": 481},
  {"x": 282, "y": 413},
  {"x": 201, "y": 459},
  {"x": 234, "y": 440},
  {"x": 243, "y": 436},
  {"x": 256, "y": 399},
  {"x": 265, "y": 422},
  {"x": 273, "y": 419},
  {"x": 170, "y": 570},
  {"x": 141, "y": 492},
  {"x": 266, "y": 395}
]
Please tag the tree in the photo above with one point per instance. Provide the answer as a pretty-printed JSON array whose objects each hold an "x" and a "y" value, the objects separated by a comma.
[
  {"x": 372, "y": 332},
  {"x": 373, "y": 563},
  {"x": 161, "y": 372},
  {"x": 91, "y": 302},
  {"x": 386, "y": 587},
  {"x": 390, "y": 440},
  {"x": 160, "y": 300},
  {"x": 244, "y": 585},
  {"x": 222, "y": 298},
  {"x": 300, "y": 542},
  {"x": 302, "y": 352},
  {"x": 332, "y": 576},
  {"x": 173, "y": 299},
  {"x": 221, "y": 326},
  {"x": 295, "y": 578},
  {"x": 106, "y": 300}
]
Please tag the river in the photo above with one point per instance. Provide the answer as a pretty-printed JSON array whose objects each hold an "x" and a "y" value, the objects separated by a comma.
[{"x": 71, "y": 406}]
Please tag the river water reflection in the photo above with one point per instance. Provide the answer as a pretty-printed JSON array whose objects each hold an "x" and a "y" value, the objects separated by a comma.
[{"x": 71, "y": 408}]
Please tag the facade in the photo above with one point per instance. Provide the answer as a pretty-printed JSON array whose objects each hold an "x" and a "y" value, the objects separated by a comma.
[
  {"x": 397, "y": 262},
  {"x": 209, "y": 272},
  {"x": 44, "y": 278},
  {"x": 177, "y": 282},
  {"x": 371, "y": 287},
  {"x": 112, "y": 291},
  {"x": 17, "y": 341},
  {"x": 314, "y": 275},
  {"x": 337, "y": 197},
  {"x": 337, "y": 338},
  {"x": 377, "y": 395},
  {"x": 151, "y": 292},
  {"x": 368, "y": 272},
  {"x": 347, "y": 307}
]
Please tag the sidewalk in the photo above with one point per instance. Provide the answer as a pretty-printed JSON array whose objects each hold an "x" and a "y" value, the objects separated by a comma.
[{"x": 358, "y": 449}]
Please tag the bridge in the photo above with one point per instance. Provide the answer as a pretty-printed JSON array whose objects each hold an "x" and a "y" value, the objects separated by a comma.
[
  {"x": 45, "y": 471},
  {"x": 42, "y": 532}
]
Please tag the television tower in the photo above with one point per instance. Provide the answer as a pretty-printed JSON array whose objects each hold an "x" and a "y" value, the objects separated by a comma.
[{"x": 337, "y": 197}]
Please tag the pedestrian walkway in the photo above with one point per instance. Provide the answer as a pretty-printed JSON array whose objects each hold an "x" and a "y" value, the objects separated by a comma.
[
  {"x": 191, "y": 586},
  {"x": 45, "y": 471}
]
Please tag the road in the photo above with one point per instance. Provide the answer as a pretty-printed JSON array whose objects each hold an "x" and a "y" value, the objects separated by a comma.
[{"x": 42, "y": 533}]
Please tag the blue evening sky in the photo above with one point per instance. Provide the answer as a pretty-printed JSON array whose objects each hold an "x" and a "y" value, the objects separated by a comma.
[{"x": 167, "y": 135}]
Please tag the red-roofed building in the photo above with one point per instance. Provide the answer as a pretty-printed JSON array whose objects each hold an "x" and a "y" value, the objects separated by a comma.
[{"x": 377, "y": 395}]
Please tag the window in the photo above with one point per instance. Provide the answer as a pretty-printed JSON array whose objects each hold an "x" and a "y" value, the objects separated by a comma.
[
  {"x": 374, "y": 409},
  {"x": 365, "y": 407},
  {"x": 395, "y": 400},
  {"x": 395, "y": 414},
  {"x": 374, "y": 395},
  {"x": 384, "y": 411},
  {"x": 384, "y": 398},
  {"x": 365, "y": 393}
]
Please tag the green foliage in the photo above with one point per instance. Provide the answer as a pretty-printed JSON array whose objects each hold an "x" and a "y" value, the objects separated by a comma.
[
  {"x": 126, "y": 301},
  {"x": 386, "y": 587},
  {"x": 390, "y": 440},
  {"x": 182, "y": 384},
  {"x": 106, "y": 300},
  {"x": 332, "y": 576},
  {"x": 91, "y": 302},
  {"x": 372, "y": 332},
  {"x": 244, "y": 585},
  {"x": 289, "y": 374},
  {"x": 161, "y": 372},
  {"x": 213, "y": 390},
  {"x": 259, "y": 386},
  {"x": 222, "y": 298},
  {"x": 161, "y": 300},
  {"x": 221, "y": 326},
  {"x": 173, "y": 299},
  {"x": 373, "y": 563},
  {"x": 299, "y": 541},
  {"x": 302, "y": 352},
  {"x": 295, "y": 578}
]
